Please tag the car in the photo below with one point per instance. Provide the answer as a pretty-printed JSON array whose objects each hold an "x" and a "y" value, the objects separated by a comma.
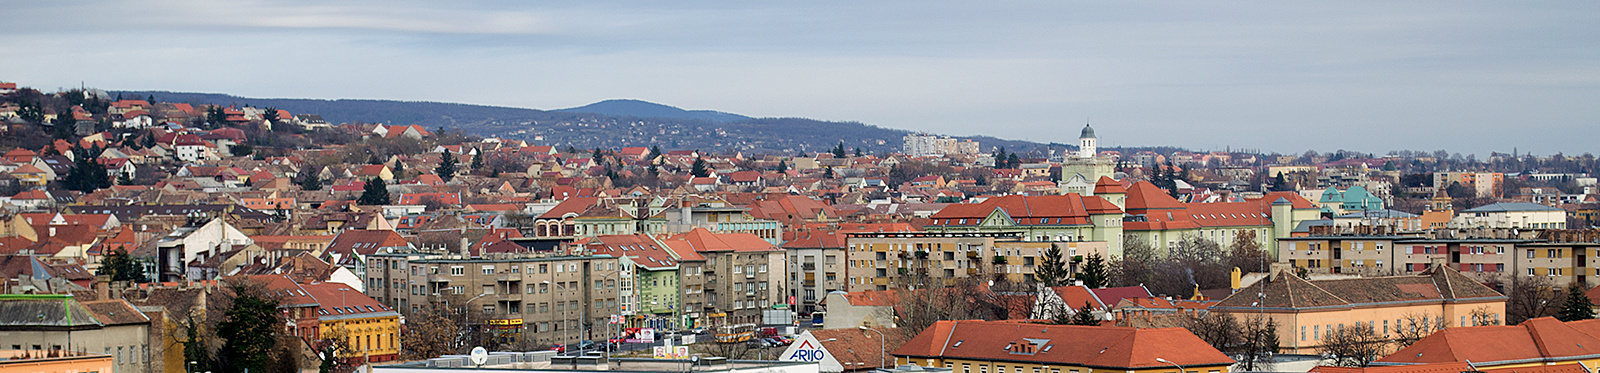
[
  {"x": 698, "y": 330},
  {"x": 587, "y": 345},
  {"x": 559, "y": 349}
]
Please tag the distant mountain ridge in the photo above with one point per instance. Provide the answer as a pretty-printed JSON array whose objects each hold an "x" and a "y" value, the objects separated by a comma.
[
  {"x": 646, "y": 109},
  {"x": 634, "y": 123}
]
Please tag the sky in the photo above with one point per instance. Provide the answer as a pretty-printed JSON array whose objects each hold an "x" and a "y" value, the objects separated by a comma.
[{"x": 1466, "y": 76}]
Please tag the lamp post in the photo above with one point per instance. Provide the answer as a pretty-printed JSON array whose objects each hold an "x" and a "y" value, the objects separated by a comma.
[
  {"x": 1180, "y": 367},
  {"x": 883, "y": 346}
]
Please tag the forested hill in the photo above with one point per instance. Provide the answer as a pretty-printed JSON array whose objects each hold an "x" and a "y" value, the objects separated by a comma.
[
  {"x": 787, "y": 136},
  {"x": 645, "y": 109}
]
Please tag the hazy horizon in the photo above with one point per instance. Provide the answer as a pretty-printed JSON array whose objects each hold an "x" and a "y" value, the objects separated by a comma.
[{"x": 1468, "y": 77}]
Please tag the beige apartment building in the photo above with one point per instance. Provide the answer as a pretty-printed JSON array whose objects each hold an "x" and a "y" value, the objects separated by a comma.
[
  {"x": 540, "y": 299},
  {"x": 1489, "y": 261},
  {"x": 888, "y": 260}
]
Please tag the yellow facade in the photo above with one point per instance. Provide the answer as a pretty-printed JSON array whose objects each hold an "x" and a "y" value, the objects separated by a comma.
[
  {"x": 1302, "y": 332},
  {"x": 370, "y": 336}
]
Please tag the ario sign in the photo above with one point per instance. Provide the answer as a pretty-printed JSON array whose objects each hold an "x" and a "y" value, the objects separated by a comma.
[{"x": 806, "y": 348}]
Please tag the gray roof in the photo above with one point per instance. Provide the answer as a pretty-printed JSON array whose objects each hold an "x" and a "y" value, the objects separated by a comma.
[
  {"x": 1088, "y": 132},
  {"x": 1305, "y": 226},
  {"x": 1380, "y": 214},
  {"x": 1513, "y": 206},
  {"x": 43, "y": 312}
]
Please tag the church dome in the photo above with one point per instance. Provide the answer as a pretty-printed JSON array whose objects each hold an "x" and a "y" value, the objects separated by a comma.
[{"x": 1088, "y": 132}]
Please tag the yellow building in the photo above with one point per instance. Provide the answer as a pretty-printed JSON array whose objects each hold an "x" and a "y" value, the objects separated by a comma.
[
  {"x": 1307, "y": 310},
  {"x": 975, "y": 346},
  {"x": 363, "y": 328}
]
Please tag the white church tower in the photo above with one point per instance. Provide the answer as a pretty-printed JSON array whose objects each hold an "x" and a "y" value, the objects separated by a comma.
[{"x": 1086, "y": 143}]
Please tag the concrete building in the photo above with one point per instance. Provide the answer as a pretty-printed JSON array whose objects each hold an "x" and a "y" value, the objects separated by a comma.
[
  {"x": 893, "y": 260},
  {"x": 546, "y": 299}
]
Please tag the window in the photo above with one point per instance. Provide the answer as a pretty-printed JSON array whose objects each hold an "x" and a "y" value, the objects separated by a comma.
[
  {"x": 559, "y": 268},
  {"x": 488, "y": 269},
  {"x": 1530, "y": 254},
  {"x": 736, "y": 269},
  {"x": 762, "y": 269},
  {"x": 1530, "y": 270},
  {"x": 458, "y": 270},
  {"x": 544, "y": 288}
]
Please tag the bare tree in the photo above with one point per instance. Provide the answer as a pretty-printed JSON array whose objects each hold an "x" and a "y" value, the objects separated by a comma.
[
  {"x": 1414, "y": 326},
  {"x": 730, "y": 350},
  {"x": 919, "y": 307},
  {"x": 1355, "y": 346},
  {"x": 1251, "y": 341},
  {"x": 442, "y": 328},
  {"x": 1482, "y": 316},
  {"x": 1530, "y": 297}
]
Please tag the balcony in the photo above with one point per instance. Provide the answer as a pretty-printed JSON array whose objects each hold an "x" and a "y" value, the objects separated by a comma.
[{"x": 809, "y": 266}]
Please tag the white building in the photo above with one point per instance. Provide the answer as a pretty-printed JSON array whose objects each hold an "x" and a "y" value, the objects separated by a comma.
[
  {"x": 1520, "y": 215},
  {"x": 921, "y": 144}
]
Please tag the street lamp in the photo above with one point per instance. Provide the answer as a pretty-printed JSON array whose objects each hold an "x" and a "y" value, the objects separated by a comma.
[
  {"x": 1180, "y": 367},
  {"x": 883, "y": 347}
]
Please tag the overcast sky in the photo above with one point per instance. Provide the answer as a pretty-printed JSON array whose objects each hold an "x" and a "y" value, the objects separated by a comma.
[{"x": 1287, "y": 76}]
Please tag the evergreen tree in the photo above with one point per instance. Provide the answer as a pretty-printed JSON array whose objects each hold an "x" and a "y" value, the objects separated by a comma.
[
  {"x": 655, "y": 152},
  {"x": 698, "y": 169},
  {"x": 838, "y": 152},
  {"x": 827, "y": 173},
  {"x": 782, "y": 167},
  {"x": 375, "y": 193},
  {"x": 858, "y": 152},
  {"x": 1000, "y": 158},
  {"x": 1012, "y": 161},
  {"x": 148, "y": 141},
  {"x": 1084, "y": 316},
  {"x": 1577, "y": 306},
  {"x": 151, "y": 99},
  {"x": 311, "y": 182},
  {"x": 477, "y": 159},
  {"x": 270, "y": 115},
  {"x": 1095, "y": 273},
  {"x": 1279, "y": 183},
  {"x": 399, "y": 169},
  {"x": 86, "y": 175},
  {"x": 447, "y": 167},
  {"x": 1052, "y": 271},
  {"x": 248, "y": 332},
  {"x": 373, "y": 159},
  {"x": 126, "y": 178},
  {"x": 121, "y": 267}
]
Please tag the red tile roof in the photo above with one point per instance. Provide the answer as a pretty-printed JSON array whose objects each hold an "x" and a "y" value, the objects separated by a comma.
[
  {"x": 1069, "y": 209},
  {"x": 1542, "y": 339},
  {"x": 704, "y": 241},
  {"x": 1107, "y": 347}
]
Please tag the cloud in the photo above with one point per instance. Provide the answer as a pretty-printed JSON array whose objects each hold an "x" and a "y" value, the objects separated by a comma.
[{"x": 1369, "y": 76}]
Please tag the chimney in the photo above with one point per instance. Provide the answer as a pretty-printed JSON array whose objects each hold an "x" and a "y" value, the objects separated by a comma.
[
  {"x": 1278, "y": 269},
  {"x": 1234, "y": 278},
  {"x": 102, "y": 287}
]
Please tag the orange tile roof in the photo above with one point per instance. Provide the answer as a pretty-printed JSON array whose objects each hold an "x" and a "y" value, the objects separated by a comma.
[
  {"x": 1542, "y": 339},
  {"x": 704, "y": 241},
  {"x": 1107, "y": 347}
]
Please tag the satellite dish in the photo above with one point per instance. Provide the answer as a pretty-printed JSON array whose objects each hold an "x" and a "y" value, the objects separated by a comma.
[{"x": 479, "y": 355}]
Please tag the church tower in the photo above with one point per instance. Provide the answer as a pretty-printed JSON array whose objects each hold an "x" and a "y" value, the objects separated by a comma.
[{"x": 1086, "y": 143}]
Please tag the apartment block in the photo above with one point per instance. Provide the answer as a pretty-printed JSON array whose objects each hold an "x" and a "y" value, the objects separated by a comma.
[
  {"x": 541, "y": 299},
  {"x": 888, "y": 260}
]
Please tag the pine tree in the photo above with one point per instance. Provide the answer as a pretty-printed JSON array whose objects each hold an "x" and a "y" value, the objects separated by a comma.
[
  {"x": 838, "y": 152},
  {"x": 248, "y": 333},
  {"x": 375, "y": 193},
  {"x": 827, "y": 173},
  {"x": 126, "y": 178},
  {"x": 399, "y": 169},
  {"x": 1095, "y": 274},
  {"x": 477, "y": 159},
  {"x": 858, "y": 152},
  {"x": 698, "y": 169},
  {"x": 447, "y": 167},
  {"x": 1052, "y": 271},
  {"x": 1084, "y": 316},
  {"x": 782, "y": 167},
  {"x": 121, "y": 267},
  {"x": 655, "y": 152},
  {"x": 1577, "y": 306},
  {"x": 311, "y": 182},
  {"x": 1000, "y": 158},
  {"x": 86, "y": 175},
  {"x": 1012, "y": 161}
]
